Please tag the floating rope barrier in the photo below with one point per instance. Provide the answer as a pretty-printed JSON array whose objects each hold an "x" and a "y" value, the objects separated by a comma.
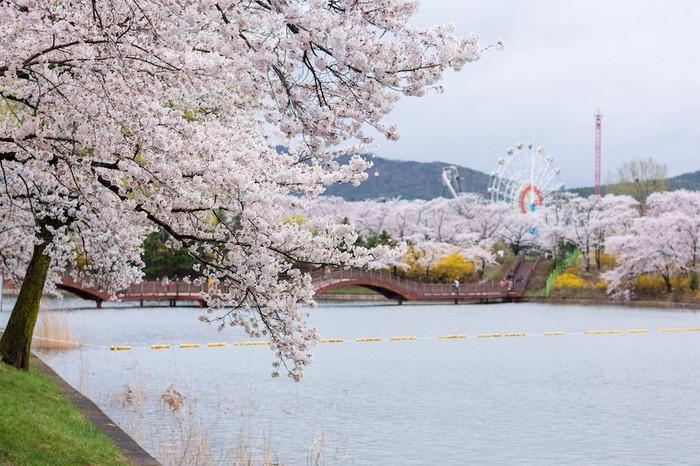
[
  {"x": 189, "y": 345},
  {"x": 391, "y": 339},
  {"x": 457, "y": 336},
  {"x": 253, "y": 343},
  {"x": 679, "y": 330},
  {"x": 603, "y": 332},
  {"x": 120, "y": 348}
]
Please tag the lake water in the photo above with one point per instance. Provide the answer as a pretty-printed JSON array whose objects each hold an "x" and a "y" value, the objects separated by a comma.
[{"x": 574, "y": 399}]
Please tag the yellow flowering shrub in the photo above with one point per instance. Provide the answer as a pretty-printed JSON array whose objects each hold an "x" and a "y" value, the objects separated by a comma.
[
  {"x": 607, "y": 261},
  {"x": 452, "y": 267},
  {"x": 568, "y": 280},
  {"x": 649, "y": 285},
  {"x": 680, "y": 282},
  {"x": 600, "y": 285},
  {"x": 295, "y": 219},
  {"x": 445, "y": 269},
  {"x": 411, "y": 267}
]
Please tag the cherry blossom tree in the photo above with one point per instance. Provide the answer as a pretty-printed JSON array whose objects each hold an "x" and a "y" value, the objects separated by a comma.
[
  {"x": 440, "y": 220},
  {"x": 589, "y": 221},
  {"x": 552, "y": 225},
  {"x": 684, "y": 206},
  {"x": 518, "y": 230},
  {"x": 487, "y": 219},
  {"x": 652, "y": 246},
  {"x": 406, "y": 219},
  {"x": 477, "y": 227},
  {"x": 665, "y": 241},
  {"x": 433, "y": 229},
  {"x": 122, "y": 117}
]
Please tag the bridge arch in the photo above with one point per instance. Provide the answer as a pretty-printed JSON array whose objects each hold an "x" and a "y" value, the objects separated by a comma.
[
  {"x": 83, "y": 292},
  {"x": 388, "y": 290}
]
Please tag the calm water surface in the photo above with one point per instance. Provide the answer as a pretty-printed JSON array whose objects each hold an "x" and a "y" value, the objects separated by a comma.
[{"x": 605, "y": 399}]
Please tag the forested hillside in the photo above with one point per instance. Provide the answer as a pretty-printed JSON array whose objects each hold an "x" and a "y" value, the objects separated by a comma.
[
  {"x": 407, "y": 180},
  {"x": 422, "y": 180},
  {"x": 688, "y": 181}
]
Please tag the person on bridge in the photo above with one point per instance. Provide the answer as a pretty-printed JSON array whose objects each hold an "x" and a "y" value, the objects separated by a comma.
[{"x": 455, "y": 285}]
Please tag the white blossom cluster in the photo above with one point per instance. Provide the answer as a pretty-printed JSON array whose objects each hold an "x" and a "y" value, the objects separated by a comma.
[
  {"x": 468, "y": 225},
  {"x": 664, "y": 241},
  {"x": 120, "y": 117}
]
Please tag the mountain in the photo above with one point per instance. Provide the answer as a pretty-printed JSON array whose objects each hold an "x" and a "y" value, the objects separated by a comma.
[
  {"x": 423, "y": 180},
  {"x": 407, "y": 180},
  {"x": 689, "y": 181}
]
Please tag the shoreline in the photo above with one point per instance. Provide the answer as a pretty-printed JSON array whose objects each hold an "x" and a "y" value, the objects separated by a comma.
[
  {"x": 592, "y": 302},
  {"x": 95, "y": 416},
  {"x": 365, "y": 298},
  {"x": 83, "y": 410}
]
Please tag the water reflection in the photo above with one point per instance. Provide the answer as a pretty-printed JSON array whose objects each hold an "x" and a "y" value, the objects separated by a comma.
[{"x": 604, "y": 399}]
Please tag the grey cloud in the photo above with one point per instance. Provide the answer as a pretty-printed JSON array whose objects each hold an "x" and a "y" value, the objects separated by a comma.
[{"x": 637, "y": 61}]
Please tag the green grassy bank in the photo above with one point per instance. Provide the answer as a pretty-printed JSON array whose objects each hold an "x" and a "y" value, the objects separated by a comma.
[{"x": 38, "y": 426}]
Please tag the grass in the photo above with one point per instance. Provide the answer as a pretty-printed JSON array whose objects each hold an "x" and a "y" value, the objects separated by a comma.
[
  {"x": 40, "y": 427},
  {"x": 539, "y": 278},
  {"x": 495, "y": 272}
]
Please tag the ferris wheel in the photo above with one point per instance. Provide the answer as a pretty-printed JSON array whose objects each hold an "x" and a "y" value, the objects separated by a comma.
[{"x": 525, "y": 178}]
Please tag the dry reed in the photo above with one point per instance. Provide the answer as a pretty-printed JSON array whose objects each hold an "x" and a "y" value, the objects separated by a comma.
[
  {"x": 319, "y": 455},
  {"x": 173, "y": 398},
  {"x": 183, "y": 441},
  {"x": 53, "y": 332}
]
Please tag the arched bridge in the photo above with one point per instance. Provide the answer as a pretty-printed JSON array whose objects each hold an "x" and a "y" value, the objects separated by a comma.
[
  {"x": 148, "y": 290},
  {"x": 402, "y": 289},
  {"x": 511, "y": 288}
]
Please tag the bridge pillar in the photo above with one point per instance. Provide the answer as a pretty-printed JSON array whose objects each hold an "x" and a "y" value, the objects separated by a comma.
[
  {"x": 98, "y": 303},
  {"x": 141, "y": 303}
]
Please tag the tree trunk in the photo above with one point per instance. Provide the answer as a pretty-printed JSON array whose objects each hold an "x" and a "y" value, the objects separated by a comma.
[
  {"x": 16, "y": 342},
  {"x": 667, "y": 282}
]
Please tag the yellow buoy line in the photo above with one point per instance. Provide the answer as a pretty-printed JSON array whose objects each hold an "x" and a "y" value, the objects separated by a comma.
[
  {"x": 391, "y": 339},
  {"x": 408, "y": 338}
]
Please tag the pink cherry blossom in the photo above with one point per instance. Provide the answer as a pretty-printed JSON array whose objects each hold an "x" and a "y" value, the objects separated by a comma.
[{"x": 122, "y": 117}]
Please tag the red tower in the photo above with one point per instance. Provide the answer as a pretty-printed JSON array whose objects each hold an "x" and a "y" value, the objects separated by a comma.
[{"x": 596, "y": 189}]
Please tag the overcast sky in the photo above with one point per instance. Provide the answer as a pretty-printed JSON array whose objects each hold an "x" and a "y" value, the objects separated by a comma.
[{"x": 638, "y": 61}]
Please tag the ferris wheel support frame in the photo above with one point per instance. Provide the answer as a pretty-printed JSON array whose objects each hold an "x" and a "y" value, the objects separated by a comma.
[{"x": 524, "y": 178}]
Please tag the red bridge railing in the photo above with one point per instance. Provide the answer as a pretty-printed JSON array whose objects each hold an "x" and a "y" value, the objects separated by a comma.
[
  {"x": 513, "y": 286},
  {"x": 411, "y": 289}
]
